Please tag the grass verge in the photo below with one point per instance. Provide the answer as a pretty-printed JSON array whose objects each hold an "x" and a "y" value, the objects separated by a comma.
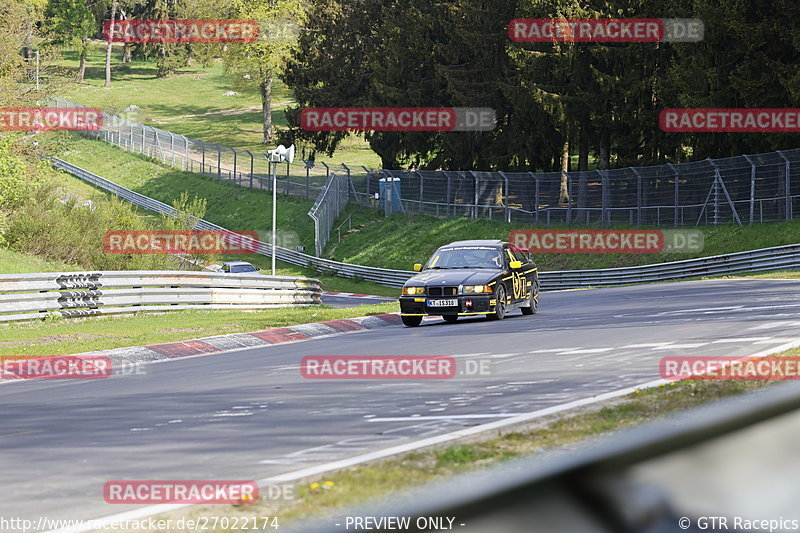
[
  {"x": 323, "y": 497},
  {"x": 75, "y": 335}
]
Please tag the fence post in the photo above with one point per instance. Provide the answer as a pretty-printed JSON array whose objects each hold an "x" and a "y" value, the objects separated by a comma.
[
  {"x": 535, "y": 194},
  {"x": 172, "y": 146},
  {"x": 419, "y": 200},
  {"x": 203, "y": 161},
  {"x": 677, "y": 190},
  {"x": 186, "y": 150},
  {"x": 219, "y": 162},
  {"x": 569, "y": 197},
  {"x": 449, "y": 192},
  {"x": 251, "y": 167},
  {"x": 603, "y": 192},
  {"x": 144, "y": 139},
  {"x": 234, "y": 164},
  {"x": 308, "y": 169},
  {"x": 367, "y": 187},
  {"x": 752, "y": 187},
  {"x": 638, "y": 196},
  {"x": 788, "y": 186},
  {"x": 475, "y": 208}
]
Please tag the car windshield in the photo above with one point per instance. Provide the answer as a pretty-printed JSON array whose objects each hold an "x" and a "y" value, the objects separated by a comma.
[{"x": 466, "y": 257}]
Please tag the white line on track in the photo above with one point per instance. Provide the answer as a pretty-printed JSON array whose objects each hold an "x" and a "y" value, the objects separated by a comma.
[
  {"x": 586, "y": 351},
  {"x": 440, "y": 417},
  {"x": 744, "y": 339},
  {"x": 678, "y": 346}
]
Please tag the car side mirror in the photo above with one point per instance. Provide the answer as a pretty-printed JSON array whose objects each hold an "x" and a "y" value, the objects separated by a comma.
[
  {"x": 515, "y": 265},
  {"x": 417, "y": 267}
]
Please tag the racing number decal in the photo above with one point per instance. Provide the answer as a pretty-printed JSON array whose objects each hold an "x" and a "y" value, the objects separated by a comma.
[
  {"x": 518, "y": 284},
  {"x": 517, "y": 279}
]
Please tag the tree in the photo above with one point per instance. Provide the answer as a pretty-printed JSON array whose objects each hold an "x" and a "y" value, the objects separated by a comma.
[
  {"x": 70, "y": 22},
  {"x": 260, "y": 61}
]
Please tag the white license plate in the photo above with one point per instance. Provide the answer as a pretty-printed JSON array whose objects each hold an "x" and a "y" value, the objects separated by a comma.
[{"x": 443, "y": 303}]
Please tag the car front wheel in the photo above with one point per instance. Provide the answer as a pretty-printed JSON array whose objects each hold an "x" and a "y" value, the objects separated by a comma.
[
  {"x": 500, "y": 306},
  {"x": 411, "y": 321}
]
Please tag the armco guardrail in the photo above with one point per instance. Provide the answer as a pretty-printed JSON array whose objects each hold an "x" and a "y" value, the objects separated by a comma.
[
  {"x": 78, "y": 294},
  {"x": 777, "y": 258}
]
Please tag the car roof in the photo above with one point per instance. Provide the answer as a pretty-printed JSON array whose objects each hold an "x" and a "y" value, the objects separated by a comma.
[
  {"x": 236, "y": 263},
  {"x": 476, "y": 242}
]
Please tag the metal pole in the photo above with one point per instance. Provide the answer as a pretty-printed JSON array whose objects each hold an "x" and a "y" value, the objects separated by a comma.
[
  {"x": 274, "y": 213},
  {"x": 536, "y": 195},
  {"x": 37, "y": 70},
  {"x": 638, "y": 197},
  {"x": 677, "y": 190},
  {"x": 752, "y": 187},
  {"x": 788, "y": 187},
  {"x": 186, "y": 150}
]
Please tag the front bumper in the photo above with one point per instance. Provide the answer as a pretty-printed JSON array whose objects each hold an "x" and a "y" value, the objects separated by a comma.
[{"x": 468, "y": 304}]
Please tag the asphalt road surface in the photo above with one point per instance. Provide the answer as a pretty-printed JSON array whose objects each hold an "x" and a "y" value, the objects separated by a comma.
[{"x": 249, "y": 414}]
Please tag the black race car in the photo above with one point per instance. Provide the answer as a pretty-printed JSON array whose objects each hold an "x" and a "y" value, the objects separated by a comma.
[{"x": 467, "y": 278}]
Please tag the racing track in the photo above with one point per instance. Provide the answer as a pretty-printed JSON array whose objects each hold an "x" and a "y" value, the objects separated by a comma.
[{"x": 249, "y": 414}]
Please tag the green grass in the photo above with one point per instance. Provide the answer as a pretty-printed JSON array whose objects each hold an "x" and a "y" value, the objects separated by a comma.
[
  {"x": 231, "y": 206},
  {"x": 191, "y": 103},
  {"x": 68, "y": 335},
  {"x": 12, "y": 262},
  {"x": 399, "y": 241}
]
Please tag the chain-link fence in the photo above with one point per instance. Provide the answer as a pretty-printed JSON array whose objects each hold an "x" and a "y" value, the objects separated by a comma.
[
  {"x": 745, "y": 189},
  {"x": 331, "y": 201}
]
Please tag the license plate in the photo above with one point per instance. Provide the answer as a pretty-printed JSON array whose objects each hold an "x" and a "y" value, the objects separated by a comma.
[{"x": 443, "y": 303}]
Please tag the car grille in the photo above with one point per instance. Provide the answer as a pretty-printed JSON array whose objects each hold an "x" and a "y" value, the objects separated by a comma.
[{"x": 442, "y": 291}]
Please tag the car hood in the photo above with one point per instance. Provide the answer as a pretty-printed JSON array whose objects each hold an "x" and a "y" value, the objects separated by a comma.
[{"x": 455, "y": 276}]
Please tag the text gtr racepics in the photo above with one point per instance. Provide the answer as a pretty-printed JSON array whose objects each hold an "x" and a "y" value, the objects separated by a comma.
[{"x": 467, "y": 278}]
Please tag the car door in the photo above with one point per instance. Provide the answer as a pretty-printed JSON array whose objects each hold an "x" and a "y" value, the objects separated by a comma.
[{"x": 523, "y": 279}]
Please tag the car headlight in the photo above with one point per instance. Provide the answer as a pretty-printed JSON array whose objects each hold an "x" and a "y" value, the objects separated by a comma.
[
  {"x": 410, "y": 291},
  {"x": 469, "y": 289}
]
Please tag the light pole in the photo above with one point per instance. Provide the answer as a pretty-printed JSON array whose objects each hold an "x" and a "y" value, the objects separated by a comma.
[{"x": 279, "y": 154}]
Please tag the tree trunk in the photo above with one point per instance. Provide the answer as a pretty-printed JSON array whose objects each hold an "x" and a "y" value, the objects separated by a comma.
[
  {"x": 583, "y": 164},
  {"x": 109, "y": 45},
  {"x": 82, "y": 67},
  {"x": 266, "y": 97},
  {"x": 602, "y": 149},
  {"x": 127, "y": 53},
  {"x": 563, "y": 194}
]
